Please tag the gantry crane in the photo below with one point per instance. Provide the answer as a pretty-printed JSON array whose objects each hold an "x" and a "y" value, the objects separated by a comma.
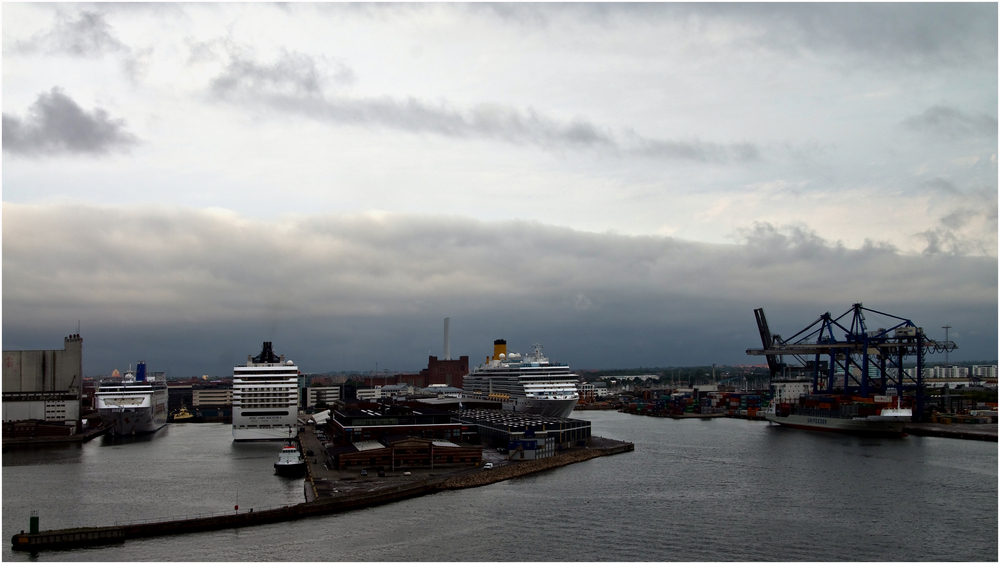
[{"x": 863, "y": 363}]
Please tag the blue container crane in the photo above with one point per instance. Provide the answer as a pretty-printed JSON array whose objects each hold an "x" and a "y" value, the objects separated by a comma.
[{"x": 841, "y": 353}]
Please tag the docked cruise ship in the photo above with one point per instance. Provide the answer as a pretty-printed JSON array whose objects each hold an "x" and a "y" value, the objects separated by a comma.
[
  {"x": 529, "y": 384},
  {"x": 133, "y": 405},
  {"x": 265, "y": 398}
]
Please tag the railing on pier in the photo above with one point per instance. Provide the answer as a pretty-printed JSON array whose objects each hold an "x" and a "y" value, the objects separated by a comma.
[{"x": 192, "y": 516}]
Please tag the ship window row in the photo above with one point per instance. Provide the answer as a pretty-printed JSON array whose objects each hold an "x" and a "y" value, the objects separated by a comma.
[
  {"x": 263, "y": 379},
  {"x": 264, "y": 402}
]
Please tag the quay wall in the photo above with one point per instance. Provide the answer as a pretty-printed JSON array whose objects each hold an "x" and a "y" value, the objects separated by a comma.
[
  {"x": 506, "y": 472},
  {"x": 68, "y": 538}
]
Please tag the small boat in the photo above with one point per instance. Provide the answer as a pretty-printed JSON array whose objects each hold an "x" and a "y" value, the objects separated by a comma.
[
  {"x": 182, "y": 415},
  {"x": 290, "y": 462}
]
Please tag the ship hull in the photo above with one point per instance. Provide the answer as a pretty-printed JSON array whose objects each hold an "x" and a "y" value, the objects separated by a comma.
[
  {"x": 549, "y": 408},
  {"x": 133, "y": 414},
  {"x": 296, "y": 470},
  {"x": 133, "y": 421},
  {"x": 854, "y": 426},
  {"x": 276, "y": 433}
]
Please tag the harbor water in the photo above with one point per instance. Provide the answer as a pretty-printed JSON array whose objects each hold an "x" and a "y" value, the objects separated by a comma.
[{"x": 693, "y": 490}]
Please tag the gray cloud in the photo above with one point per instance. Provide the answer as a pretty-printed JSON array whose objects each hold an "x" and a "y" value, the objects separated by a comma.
[
  {"x": 968, "y": 224},
  {"x": 292, "y": 73},
  {"x": 295, "y": 83},
  {"x": 951, "y": 124},
  {"x": 342, "y": 292},
  {"x": 878, "y": 34},
  {"x": 696, "y": 150},
  {"x": 883, "y": 34},
  {"x": 56, "y": 124},
  {"x": 86, "y": 35}
]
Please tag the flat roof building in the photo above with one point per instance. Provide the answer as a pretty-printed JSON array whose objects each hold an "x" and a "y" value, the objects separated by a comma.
[
  {"x": 364, "y": 421},
  {"x": 526, "y": 436},
  {"x": 44, "y": 385}
]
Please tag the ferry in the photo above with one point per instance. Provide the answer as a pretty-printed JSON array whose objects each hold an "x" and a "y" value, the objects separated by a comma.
[
  {"x": 528, "y": 384},
  {"x": 265, "y": 398},
  {"x": 134, "y": 405}
]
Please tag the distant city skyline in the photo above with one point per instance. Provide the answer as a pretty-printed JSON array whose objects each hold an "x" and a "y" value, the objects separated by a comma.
[{"x": 622, "y": 183}]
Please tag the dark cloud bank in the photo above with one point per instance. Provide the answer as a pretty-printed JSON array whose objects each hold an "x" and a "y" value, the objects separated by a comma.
[{"x": 194, "y": 292}]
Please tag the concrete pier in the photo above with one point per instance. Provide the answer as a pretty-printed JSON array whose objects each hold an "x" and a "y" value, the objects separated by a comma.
[
  {"x": 83, "y": 437},
  {"x": 327, "y": 498}
]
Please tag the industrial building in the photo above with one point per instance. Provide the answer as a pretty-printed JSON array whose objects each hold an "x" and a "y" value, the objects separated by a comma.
[
  {"x": 440, "y": 372},
  {"x": 526, "y": 436},
  {"x": 44, "y": 386},
  {"x": 215, "y": 397},
  {"x": 325, "y": 394},
  {"x": 365, "y": 421},
  {"x": 404, "y": 453}
]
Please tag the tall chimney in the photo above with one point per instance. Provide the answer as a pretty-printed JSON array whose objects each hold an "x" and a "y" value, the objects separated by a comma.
[{"x": 447, "y": 339}]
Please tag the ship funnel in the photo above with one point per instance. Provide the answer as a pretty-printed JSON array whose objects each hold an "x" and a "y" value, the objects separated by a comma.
[
  {"x": 140, "y": 372},
  {"x": 447, "y": 339},
  {"x": 499, "y": 348}
]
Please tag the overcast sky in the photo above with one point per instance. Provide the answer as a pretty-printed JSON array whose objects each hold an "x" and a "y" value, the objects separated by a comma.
[{"x": 621, "y": 183}]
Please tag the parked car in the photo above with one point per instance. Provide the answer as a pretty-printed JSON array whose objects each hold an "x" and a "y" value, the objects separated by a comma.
[
  {"x": 381, "y": 473},
  {"x": 364, "y": 472}
]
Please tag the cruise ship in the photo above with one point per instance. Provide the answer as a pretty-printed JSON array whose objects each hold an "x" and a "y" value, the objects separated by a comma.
[
  {"x": 529, "y": 384},
  {"x": 133, "y": 405},
  {"x": 265, "y": 398}
]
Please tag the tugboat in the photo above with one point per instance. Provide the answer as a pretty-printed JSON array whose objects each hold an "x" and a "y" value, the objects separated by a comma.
[
  {"x": 290, "y": 462},
  {"x": 182, "y": 415}
]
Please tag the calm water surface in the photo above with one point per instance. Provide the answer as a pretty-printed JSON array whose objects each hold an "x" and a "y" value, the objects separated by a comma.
[{"x": 693, "y": 490}]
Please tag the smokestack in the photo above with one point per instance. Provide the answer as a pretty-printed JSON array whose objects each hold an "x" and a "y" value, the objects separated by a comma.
[{"x": 447, "y": 339}]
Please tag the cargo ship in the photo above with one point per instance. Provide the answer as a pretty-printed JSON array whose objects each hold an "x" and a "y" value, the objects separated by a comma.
[
  {"x": 840, "y": 415},
  {"x": 133, "y": 405},
  {"x": 528, "y": 384}
]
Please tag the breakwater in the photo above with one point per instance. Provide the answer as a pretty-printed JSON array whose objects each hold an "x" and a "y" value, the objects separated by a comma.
[
  {"x": 28, "y": 441},
  {"x": 72, "y": 538}
]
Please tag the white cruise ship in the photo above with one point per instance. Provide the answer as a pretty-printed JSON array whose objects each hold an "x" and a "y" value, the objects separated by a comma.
[
  {"x": 133, "y": 405},
  {"x": 265, "y": 398},
  {"x": 529, "y": 384}
]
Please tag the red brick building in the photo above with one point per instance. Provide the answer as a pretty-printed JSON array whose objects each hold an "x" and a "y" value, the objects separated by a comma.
[{"x": 447, "y": 372}]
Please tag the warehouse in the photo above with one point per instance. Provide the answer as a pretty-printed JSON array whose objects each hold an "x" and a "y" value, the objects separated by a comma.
[
  {"x": 44, "y": 386},
  {"x": 405, "y": 453},
  {"x": 525, "y": 436}
]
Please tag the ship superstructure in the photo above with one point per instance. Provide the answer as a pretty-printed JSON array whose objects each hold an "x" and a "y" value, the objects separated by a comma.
[
  {"x": 265, "y": 398},
  {"x": 528, "y": 384},
  {"x": 134, "y": 405}
]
